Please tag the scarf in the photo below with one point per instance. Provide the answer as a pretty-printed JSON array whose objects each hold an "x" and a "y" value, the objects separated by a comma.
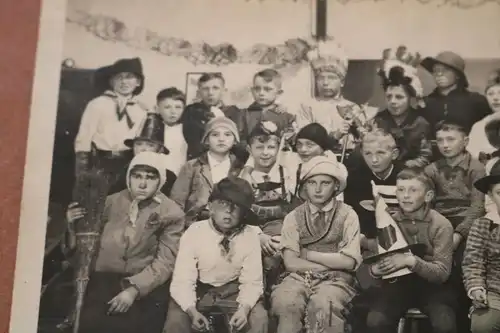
[{"x": 121, "y": 107}]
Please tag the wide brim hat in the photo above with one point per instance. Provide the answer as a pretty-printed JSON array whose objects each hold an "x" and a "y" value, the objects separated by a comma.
[
  {"x": 448, "y": 59},
  {"x": 104, "y": 74},
  {"x": 483, "y": 184},
  {"x": 323, "y": 165},
  {"x": 417, "y": 249},
  {"x": 239, "y": 192},
  {"x": 152, "y": 129}
]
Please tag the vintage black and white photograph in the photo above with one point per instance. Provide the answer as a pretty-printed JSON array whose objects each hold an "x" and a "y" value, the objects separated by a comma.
[{"x": 255, "y": 166}]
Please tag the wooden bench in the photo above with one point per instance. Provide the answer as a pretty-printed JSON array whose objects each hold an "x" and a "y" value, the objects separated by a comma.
[{"x": 411, "y": 319}]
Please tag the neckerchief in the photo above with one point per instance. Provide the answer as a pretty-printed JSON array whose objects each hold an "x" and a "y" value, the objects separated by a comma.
[
  {"x": 121, "y": 109},
  {"x": 225, "y": 243}
]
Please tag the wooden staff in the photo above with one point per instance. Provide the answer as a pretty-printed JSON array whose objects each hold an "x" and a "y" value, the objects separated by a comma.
[{"x": 90, "y": 192}]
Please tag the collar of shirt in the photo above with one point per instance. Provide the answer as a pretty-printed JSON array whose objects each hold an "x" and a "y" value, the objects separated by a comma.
[
  {"x": 328, "y": 208},
  {"x": 273, "y": 174},
  {"x": 461, "y": 161},
  {"x": 493, "y": 216},
  {"x": 218, "y": 170},
  {"x": 386, "y": 176},
  {"x": 420, "y": 215}
]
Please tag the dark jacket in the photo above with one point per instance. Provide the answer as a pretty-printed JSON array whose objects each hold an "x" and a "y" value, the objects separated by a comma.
[
  {"x": 359, "y": 188},
  {"x": 194, "y": 119},
  {"x": 461, "y": 105},
  {"x": 412, "y": 137}
]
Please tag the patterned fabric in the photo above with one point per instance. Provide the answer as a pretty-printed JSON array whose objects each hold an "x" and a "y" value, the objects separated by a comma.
[
  {"x": 456, "y": 197},
  {"x": 412, "y": 136},
  {"x": 481, "y": 265}
]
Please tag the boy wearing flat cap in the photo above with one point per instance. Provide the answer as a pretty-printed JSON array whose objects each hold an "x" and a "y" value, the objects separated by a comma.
[
  {"x": 451, "y": 99},
  {"x": 321, "y": 252},
  {"x": 481, "y": 268},
  {"x": 111, "y": 118},
  {"x": 220, "y": 266}
]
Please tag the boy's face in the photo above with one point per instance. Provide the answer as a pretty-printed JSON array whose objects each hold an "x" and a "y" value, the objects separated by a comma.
[
  {"x": 379, "y": 156},
  {"x": 398, "y": 101},
  {"x": 328, "y": 84},
  {"x": 220, "y": 140},
  {"x": 264, "y": 153},
  {"x": 143, "y": 184},
  {"x": 307, "y": 149},
  {"x": 225, "y": 214},
  {"x": 451, "y": 143},
  {"x": 493, "y": 97},
  {"x": 211, "y": 91},
  {"x": 494, "y": 194},
  {"x": 265, "y": 93},
  {"x": 444, "y": 76},
  {"x": 124, "y": 83},
  {"x": 170, "y": 110},
  {"x": 320, "y": 189},
  {"x": 146, "y": 145},
  {"x": 412, "y": 194}
]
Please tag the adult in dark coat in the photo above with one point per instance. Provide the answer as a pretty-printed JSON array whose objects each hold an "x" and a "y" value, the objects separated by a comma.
[{"x": 451, "y": 99}]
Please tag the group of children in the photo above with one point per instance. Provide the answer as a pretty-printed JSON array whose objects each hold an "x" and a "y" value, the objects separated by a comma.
[{"x": 214, "y": 207}]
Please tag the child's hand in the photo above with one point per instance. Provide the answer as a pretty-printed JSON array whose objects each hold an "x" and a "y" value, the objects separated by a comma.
[
  {"x": 413, "y": 164},
  {"x": 457, "y": 239},
  {"x": 479, "y": 299},
  {"x": 198, "y": 321},
  {"x": 276, "y": 242},
  {"x": 123, "y": 301},
  {"x": 74, "y": 212},
  {"x": 395, "y": 262},
  {"x": 239, "y": 319},
  {"x": 267, "y": 245},
  {"x": 344, "y": 128}
]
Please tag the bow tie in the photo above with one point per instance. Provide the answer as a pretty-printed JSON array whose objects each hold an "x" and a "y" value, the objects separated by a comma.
[{"x": 485, "y": 157}]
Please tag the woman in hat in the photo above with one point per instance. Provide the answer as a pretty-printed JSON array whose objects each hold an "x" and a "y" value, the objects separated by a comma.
[
  {"x": 451, "y": 97},
  {"x": 403, "y": 115},
  {"x": 219, "y": 266},
  {"x": 111, "y": 118},
  {"x": 150, "y": 138},
  {"x": 481, "y": 265},
  {"x": 321, "y": 252}
]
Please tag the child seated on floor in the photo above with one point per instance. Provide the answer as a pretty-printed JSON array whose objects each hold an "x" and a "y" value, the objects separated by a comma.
[
  {"x": 481, "y": 267},
  {"x": 219, "y": 267},
  {"x": 321, "y": 252},
  {"x": 425, "y": 286},
  {"x": 380, "y": 153},
  {"x": 198, "y": 176}
]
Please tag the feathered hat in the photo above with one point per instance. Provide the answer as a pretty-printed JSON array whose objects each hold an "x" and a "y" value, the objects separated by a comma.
[
  {"x": 328, "y": 55},
  {"x": 400, "y": 66}
]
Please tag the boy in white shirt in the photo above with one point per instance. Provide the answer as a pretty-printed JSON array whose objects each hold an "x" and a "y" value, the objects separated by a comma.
[
  {"x": 170, "y": 104},
  {"x": 219, "y": 264}
]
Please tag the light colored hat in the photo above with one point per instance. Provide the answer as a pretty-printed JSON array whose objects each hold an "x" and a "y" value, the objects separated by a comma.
[
  {"x": 328, "y": 56},
  {"x": 325, "y": 165},
  {"x": 224, "y": 122},
  {"x": 408, "y": 62}
]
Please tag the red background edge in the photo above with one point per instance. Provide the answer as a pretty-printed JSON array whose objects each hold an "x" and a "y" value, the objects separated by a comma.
[{"x": 19, "y": 20}]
